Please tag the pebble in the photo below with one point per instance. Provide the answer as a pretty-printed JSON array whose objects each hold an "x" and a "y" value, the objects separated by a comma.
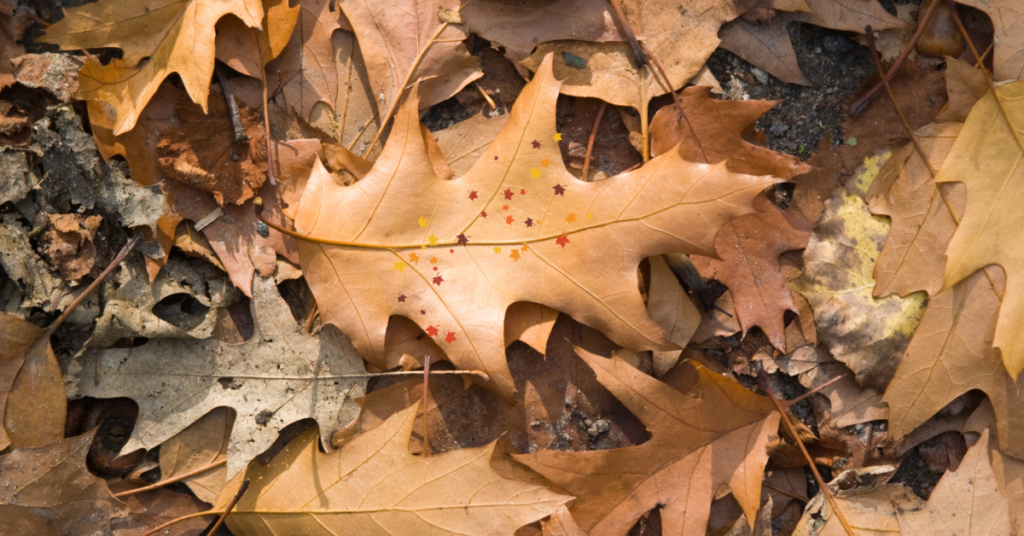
[{"x": 778, "y": 128}]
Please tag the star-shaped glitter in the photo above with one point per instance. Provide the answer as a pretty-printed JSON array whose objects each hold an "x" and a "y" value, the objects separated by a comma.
[
  {"x": 401, "y": 298},
  {"x": 545, "y": 163},
  {"x": 525, "y": 248},
  {"x": 433, "y": 239},
  {"x": 433, "y": 260},
  {"x": 450, "y": 337},
  {"x": 462, "y": 239},
  {"x": 472, "y": 195},
  {"x": 451, "y": 251},
  {"x": 534, "y": 173},
  {"x": 435, "y": 268},
  {"x": 536, "y": 144},
  {"x": 559, "y": 190},
  {"x": 400, "y": 265},
  {"x": 414, "y": 257},
  {"x": 529, "y": 222},
  {"x": 522, "y": 191},
  {"x": 571, "y": 218},
  {"x": 431, "y": 331},
  {"x": 497, "y": 249},
  {"x": 504, "y": 207},
  {"x": 514, "y": 256},
  {"x": 508, "y": 193},
  {"x": 483, "y": 214},
  {"x": 562, "y": 241},
  {"x": 509, "y": 220},
  {"x": 423, "y": 311},
  {"x": 438, "y": 280},
  {"x": 422, "y": 221},
  {"x": 557, "y": 136}
]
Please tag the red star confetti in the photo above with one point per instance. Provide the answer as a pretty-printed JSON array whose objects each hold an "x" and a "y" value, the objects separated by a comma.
[
  {"x": 472, "y": 195},
  {"x": 435, "y": 268},
  {"x": 559, "y": 190},
  {"x": 438, "y": 279},
  {"x": 450, "y": 337},
  {"x": 401, "y": 298},
  {"x": 451, "y": 251},
  {"x": 483, "y": 214},
  {"x": 522, "y": 192},
  {"x": 562, "y": 240},
  {"x": 529, "y": 222},
  {"x": 508, "y": 193},
  {"x": 505, "y": 208},
  {"x": 536, "y": 144},
  {"x": 509, "y": 220},
  {"x": 462, "y": 240},
  {"x": 432, "y": 331}
]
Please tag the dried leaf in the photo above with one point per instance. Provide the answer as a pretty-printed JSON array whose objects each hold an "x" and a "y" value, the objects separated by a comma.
[
  {"x": 9, "y": 47},
  {"x": 985, "y": 157},
  {"x": 672, "y": 309},
  {"x": 156, "y": 507},
  {"x": 711, "y": 131},
  {"x": 281, "y": 375},
  {"x": 306, "y": 72},
  {"x": 766, "y": 45},
  {"x": 374, "y": 486},
  {"x": 201, "y": 444},
  {"x": 673, "y": 470},
  {"x": 1008, "y": 25},
  {"x": 964, "y": 85},
  {"x": 176, "y": 35},
  {"x": 848, "y": 15},
  {"x": 749, "y": 248},
  {"x": 33, "y": 403},
  {"x": 246, "y": 49},
  {"x": 355, "y": 117}
]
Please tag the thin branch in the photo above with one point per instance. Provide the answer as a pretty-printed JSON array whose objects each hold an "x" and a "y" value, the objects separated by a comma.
[
  {"x": 858, "y": 106},
  {"x": 590, "y": 142},
  {"x": 266, "y": 126},
  {"x": 231, "y": 506},
  {"x": 178, "y": 478},
  {"x": 638, "y": 57},
  {"x": 426, "y": 397},
  {"x": 311, "y": 318},
  {"x": 483, "y": 92},
  {"x": 177, "y": 520},
  {"x": 789, "y": 403},
  {"x": 229, "y": 98},
  {"x": 762, "y": 380},
  {"x": 784, "y": 492}
]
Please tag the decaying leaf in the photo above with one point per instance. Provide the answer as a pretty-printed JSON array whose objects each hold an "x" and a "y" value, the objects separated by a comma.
[
  {"x": 33, "y": 403},
  {"x": 863, "y": 332},
  {"x": 9, "y": 48},
  {"x": 246, "y": 49},
  {"x": 279, "y": 376},
  {"x": 176, "y": 35},
  {"x": 1008, "y": 25},
  {"x": 870, "y": 509},
  {"x": 985, "y": 158},
  {"x": 306, "y": 72},
  {"x": 765, "y": 44},
  {"x": 392, "y": 35},
  {"x": 711, "y": 130},
  {"x": 452, "y": 255},
  {"x": 374, "y": 486},
  {"x": 719, "y": 420},
  {"x": 670, "y": 306},
  {"x": 201, "y": 444},
  {"x": 749, "y": 248},
  {"x": 50, "y": 491}
]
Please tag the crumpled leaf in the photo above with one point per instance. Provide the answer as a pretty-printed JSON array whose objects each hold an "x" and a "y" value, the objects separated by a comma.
[
  {"x": 985, "y": 158},
  {"x": 395, "y": 244},
  {"x": 682, "y": 35},
  {"x": 176, "y": 35},
  {"x": 392, "y": 34},
  {"x": 281, "y": 375},
  {"x": 306, "y": 71},
  {"x": 69, "y": 244},
  {"x": 749, "y": 248},
  {"x": 56, "y": 73},
  {"x": 719, "y": 420},
  {"x": 863, "y": 332},
  {"x": 374, "y": 486},
  {"x": 246, "y": 49},
  {"x": 711, "y": 131},
  {"x": 913, "y": 257},
  {"x": 50, "y": 491},
  {"x": 38, "y": 286},
  {"x": 1008, "y": 26}
]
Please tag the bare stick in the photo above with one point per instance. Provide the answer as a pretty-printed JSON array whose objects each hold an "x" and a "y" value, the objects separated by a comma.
[
  {"x": 311, "y": 318},
  {"x": 178, "y": 478},
  {"x": 229, "y": 97},
  {"x": 784, "y": 492},
  {"x": 231, "y": 506},
  {"x": 590, "y": 142},
  {"x": 789, "y": 403},
  {"x": 858, "y": 106},
  {"x": 426, "y": 397},
  {"x": 667, "y": 82},
  {"x": 638, "y": 56},
  {"x": 177, "y": 520},
  {"x": 266, "y": 126},
  {"x": 762, "y": 380},
  {"x": 490, "y": 101}
]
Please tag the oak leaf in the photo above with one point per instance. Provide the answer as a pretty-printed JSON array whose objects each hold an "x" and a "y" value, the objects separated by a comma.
[
  {"x": 359, "y": 260},
  {"x": 280, "y": 375},
  {"x": 33, "y": 403},
  {"x": 719, "y": 420},
  {"x": 710, "y": 130},
  {"x": 354, "y": 117},
  {"x": 202, "y": 444},
  {"x": 766, "y": 45},
  {"x": 670, "y": 306},
  {"x": 848, "y": 15},
  {"x": 863, "y": 332},
  {"x": 392, "y": 35},
  {"x": 985, "y": 158},
  {"x": 306, "y": 70},
  {"x": 176, "y": 35},
  {"x": 375, "y": 486},
  {"x": 1008, "y": 27},
  {"x": 965, "y": 84},
  {"x": 749, "y": 248},
  {"x": 246, "y": 49}
]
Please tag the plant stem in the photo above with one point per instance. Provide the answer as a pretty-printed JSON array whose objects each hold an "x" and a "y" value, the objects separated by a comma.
[
  {"x": 231, "y": 506},
  {"x": 590, "y": 142},
  {"x": 178, "y": 478}
]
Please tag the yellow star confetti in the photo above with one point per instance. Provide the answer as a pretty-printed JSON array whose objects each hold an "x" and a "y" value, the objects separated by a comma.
[
  {"x": 590, "y": 216},
  {"x": 414, "y": 257},
  {"x": 497, "y": 249},
  {"x": 571, "y": 217},
  {"x": 433, "y": 239},
  {"x": 400, "y": 265},
  {"x": 422, "y": 221},
  {"x": 534, "y": 173},
  {"x": 557, "y": 136},
  {"x": 545, "y": 163}
]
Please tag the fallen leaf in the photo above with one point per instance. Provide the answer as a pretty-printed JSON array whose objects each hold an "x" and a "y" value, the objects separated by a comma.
[
  {"x": 9, "y": 47},
  {"x": 69, "y": 244},
  {"x": 891, "y": 43},
  {"x": 964, "y": 86},
  {"x": 383, "y": 228},
  {"x": 1009, "y": 471},
  {"x": 766, "y": 45},
  {"x": 872, "y": 511},
  {"x": 863, "y": 332},
  {"x": 463, "y": 143},
  {"x": 531, "y": 323},
  {"x": 33, "y": 403},
  {"x": 749, "y": 248},
  {"x": 561, "y": 523},
  {"x": 56, "y": 73},
  {"x": 201, "y": 444},
  {"x": 176, "y": 35},
  {"x": 281, "y": 375},
  {"x": 711, "y": 131},
  {"x": 393, "y": 36},
  {"x": 673, "y": 470},
  {"x": 985, "y": 159},
  {"x": 373, "y": 485},
  {"x": 306, "y": 71},
  {"x": 246, "y": 49},
  {"x": 913, "y": 257},
  {"x": 672, "y": 309},
  {"x": 156, "y": 507},
  {"x": 681, "y": 39},
  {"x": 50, "y": 491},
  {"x": 1008, "y": 25},
  {"x": 848, "y": 15}
]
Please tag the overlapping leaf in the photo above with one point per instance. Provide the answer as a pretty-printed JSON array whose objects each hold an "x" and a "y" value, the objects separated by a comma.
[{"x": 453, "y": 255}]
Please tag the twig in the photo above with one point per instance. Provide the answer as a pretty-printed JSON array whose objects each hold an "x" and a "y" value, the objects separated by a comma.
[
  {"x": 231, "y": 506},
  {"x": 311, "y": 318},
  {"x": 638, "y": 56},
  {"x": 762, "y": 380},
  {"x": 208, "y": 219},
  {"x": 490, "y": 101},
  {"x": 401, "y": 89},
  {"x": 789, "y": 403},
  {"x": 177, "y": 520},
  {"x": 784, "y": 492},
  {"x": 266, "y": 126},
  {"x": 667, "y": 82},
  {"x": 426, "y": 397},
  {"x": 178, "y": 478},
  {"x": 590, "y": 142},
  {"x": 229, "y": 97},
  {"x": 38, "y": 20},
  {"x": 917, "y": 144},
  {"x": 858, "y": 106}
]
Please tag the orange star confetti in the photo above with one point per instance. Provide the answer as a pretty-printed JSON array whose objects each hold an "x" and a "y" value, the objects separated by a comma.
[
  {"x": 433, "y": 260},
  {"x": 525, "y": 248},
  {"x": 400, "y": 265},
  {"x": 514, "y": 256},
  {"x": 571, "y": 218},
  {"x": 422, "y": 221},
  {"x": 433, "y": 239},
  {"x": 509, "y": 220},
  {"x": 414, "y": 257},
  {"x": 545, "y": 163},
  {"x": 505, "y": 208}
]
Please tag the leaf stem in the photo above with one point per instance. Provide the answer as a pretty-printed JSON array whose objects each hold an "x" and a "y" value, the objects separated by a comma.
[
  {"x": 638, "y": 57},
  {"x": 177, "y": 520},
  {"x": 762, "y": 380},
  {"x": 231, "y": 506},
  {"x": 426, "y": 407},
  {"x": 590, "y": 142},
  {"x": 178, "y": 478},
  {"x": 789, "y": 403}
]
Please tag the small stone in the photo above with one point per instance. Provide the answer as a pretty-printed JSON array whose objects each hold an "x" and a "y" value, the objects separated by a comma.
[
  {"x": 599, "y": 427},
  {"x": 837, "y": 44},
  {"x": 778, "y": 128},
  {"x": 262, "y": 229},
  {"x": 760, "y": 75}
]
